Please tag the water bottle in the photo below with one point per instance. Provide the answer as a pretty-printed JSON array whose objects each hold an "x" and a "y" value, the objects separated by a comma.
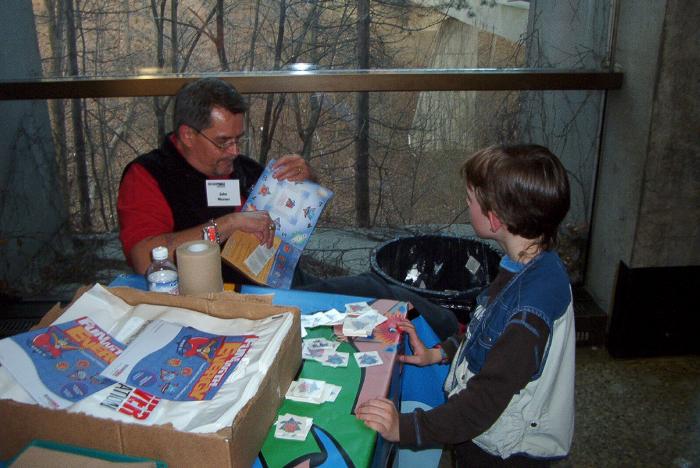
[{"x": 162, "y": 274}]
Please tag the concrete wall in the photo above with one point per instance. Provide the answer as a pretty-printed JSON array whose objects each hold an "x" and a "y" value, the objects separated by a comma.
[
  {"x": 647, "y": 205},
  {"x": 668, "y": 232},
  {"x": 31, "y": 211},
  {"x": 504, "y": 18}
]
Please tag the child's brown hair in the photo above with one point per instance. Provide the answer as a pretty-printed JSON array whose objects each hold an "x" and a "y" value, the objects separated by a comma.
[{"x": 526, "y": 186}]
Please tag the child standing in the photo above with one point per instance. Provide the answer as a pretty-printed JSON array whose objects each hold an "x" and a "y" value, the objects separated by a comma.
[{"x": 511, "y": 383}]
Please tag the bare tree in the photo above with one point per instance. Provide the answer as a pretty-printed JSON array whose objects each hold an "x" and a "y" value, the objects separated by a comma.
[
  {"x": 77, "y": 121},
  {"x": 158, "y": 11},
  {"x": 362, "y": 120},
  {"x": 57, "y": 107}
]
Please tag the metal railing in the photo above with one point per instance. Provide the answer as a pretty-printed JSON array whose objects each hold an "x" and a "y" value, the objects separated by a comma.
[{"x": 389, "y": 80}]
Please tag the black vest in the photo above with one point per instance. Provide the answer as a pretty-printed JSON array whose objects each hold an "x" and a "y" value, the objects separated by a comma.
[{"x": 184, "y": 188}]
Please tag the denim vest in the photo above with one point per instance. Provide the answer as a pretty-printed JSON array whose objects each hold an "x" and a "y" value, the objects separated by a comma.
[
  {"x": 541, "y": 287},
  {"x": 539, "y": 420}
]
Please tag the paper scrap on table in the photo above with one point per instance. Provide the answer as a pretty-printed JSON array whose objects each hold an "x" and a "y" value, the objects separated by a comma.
[
  {"x": 336, "y": 317},
  {"x": 334, "y": 359},
  {"x": 292, "y": 427},
  {"x": 312, "y": 391},
  {"x": 362, "y": 325},
  {"x": 357, "y": 307},
  {"x": 311, "y": 347},
  {"x": 357, "y": 326},
  {"x": 309, "y": 389},
  {"x": 324, "y": 352},
  {"x": 368, "y": 359},
  {"x": 333, "y": 392},
  {"x": 328, "y": 318}
]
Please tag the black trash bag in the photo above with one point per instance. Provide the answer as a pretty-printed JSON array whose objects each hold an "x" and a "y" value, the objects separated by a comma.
[{"x": 449, "y": 271}]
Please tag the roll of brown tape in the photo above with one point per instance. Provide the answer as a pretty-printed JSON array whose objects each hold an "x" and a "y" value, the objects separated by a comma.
[{"x": 199, "y": 267}]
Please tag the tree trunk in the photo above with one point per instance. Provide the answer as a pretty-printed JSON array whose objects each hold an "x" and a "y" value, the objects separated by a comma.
[
  {"x": 174, "y": 39},
  {"x": 315, "y": 99},
  {"x": 158, "y": 12},
  {"x": 268, "y": 129},
  {"x": 362, "y": 120},
  {"x": 77, "y": 122},
  {"x": 57, "y": 107},
  {"x": 220, "y": 47}
]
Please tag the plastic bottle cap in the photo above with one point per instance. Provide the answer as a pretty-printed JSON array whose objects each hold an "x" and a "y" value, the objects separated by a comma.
[{"x": 160, "y": 253}]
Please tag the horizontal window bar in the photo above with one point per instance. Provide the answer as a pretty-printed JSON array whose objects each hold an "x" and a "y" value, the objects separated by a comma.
[{"x": 315, "y": 81}]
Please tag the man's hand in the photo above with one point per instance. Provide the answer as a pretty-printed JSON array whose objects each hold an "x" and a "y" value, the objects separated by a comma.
[
  {"x": 293, "y": 168},
  {"x": 258, "y": 223},
  {"x": 422, "y": 356},
  {"x": 380, "y": 414}
]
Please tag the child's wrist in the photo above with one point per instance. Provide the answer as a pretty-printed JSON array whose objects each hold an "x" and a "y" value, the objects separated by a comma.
[{"x": 440, "y": 355}]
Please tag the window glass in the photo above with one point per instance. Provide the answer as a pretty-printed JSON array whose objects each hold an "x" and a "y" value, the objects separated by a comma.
[
  {"x": 417, "y": 143},
  {"x": 126, "y": 38},
  {"x": 69, "y": 154}
]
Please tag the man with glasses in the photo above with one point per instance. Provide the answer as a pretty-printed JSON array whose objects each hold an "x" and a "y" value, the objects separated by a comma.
[
  {"x": 197, "y": 180},
  {"x": 168, "y": 196}
]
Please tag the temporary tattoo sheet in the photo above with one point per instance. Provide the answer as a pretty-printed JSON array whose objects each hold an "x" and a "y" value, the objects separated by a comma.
[
  {"x": 61, "y": 364},
  {"x": 368, "y": 359},
  {"x": 292, "y": 427},
  {"x": 295, "y": 208},
  {"x": 312, "y": 391}
]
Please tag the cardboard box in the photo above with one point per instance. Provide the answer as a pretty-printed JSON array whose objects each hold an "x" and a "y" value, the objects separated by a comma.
[{"x": 235, "y": 446}]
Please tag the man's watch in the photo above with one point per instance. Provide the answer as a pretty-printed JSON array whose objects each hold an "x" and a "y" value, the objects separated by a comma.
[{"x": 210, "y": 232}]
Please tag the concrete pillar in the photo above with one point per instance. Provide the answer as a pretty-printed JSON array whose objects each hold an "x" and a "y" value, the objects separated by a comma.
[
  {"x": 31, "y": 211},
  {"x": 647, "y": 204}
]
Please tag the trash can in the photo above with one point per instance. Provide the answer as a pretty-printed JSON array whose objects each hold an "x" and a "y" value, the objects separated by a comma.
[{"x": 449, "y": 271}]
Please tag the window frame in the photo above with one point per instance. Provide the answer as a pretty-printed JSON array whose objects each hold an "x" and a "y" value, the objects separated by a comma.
[{"x": 375, "y": 80}]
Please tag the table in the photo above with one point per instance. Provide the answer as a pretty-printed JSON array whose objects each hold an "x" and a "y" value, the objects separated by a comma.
[{"x": 337, "y": 438}]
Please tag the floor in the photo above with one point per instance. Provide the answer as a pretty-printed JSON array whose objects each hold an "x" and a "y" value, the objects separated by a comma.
[{"x": 634, "y": 412}]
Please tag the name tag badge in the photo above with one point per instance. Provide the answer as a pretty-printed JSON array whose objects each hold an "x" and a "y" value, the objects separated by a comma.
[{"x": 224, "y": 192}]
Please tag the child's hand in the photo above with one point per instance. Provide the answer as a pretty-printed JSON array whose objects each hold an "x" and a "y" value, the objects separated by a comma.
[
  {"x": 380, "y": 414},
  {"x": 422, "y": 356}
]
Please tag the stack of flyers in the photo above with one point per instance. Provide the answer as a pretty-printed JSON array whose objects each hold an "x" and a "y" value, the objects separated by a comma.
[
  {"x": 292, "y": 427},
  {"x": 312, "y": 391},
  {"x": 368, "y": 359}
]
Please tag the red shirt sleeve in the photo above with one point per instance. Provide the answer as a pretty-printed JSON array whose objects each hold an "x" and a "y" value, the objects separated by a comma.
[{"x": 142, "y": 209}]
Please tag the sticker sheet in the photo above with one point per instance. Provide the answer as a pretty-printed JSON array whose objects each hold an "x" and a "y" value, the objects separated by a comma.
[{"x": 295, "y": 207}]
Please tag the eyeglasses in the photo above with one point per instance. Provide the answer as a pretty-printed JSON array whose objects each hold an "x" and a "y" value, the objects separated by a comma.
[{"x": 238, "y": 142}]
